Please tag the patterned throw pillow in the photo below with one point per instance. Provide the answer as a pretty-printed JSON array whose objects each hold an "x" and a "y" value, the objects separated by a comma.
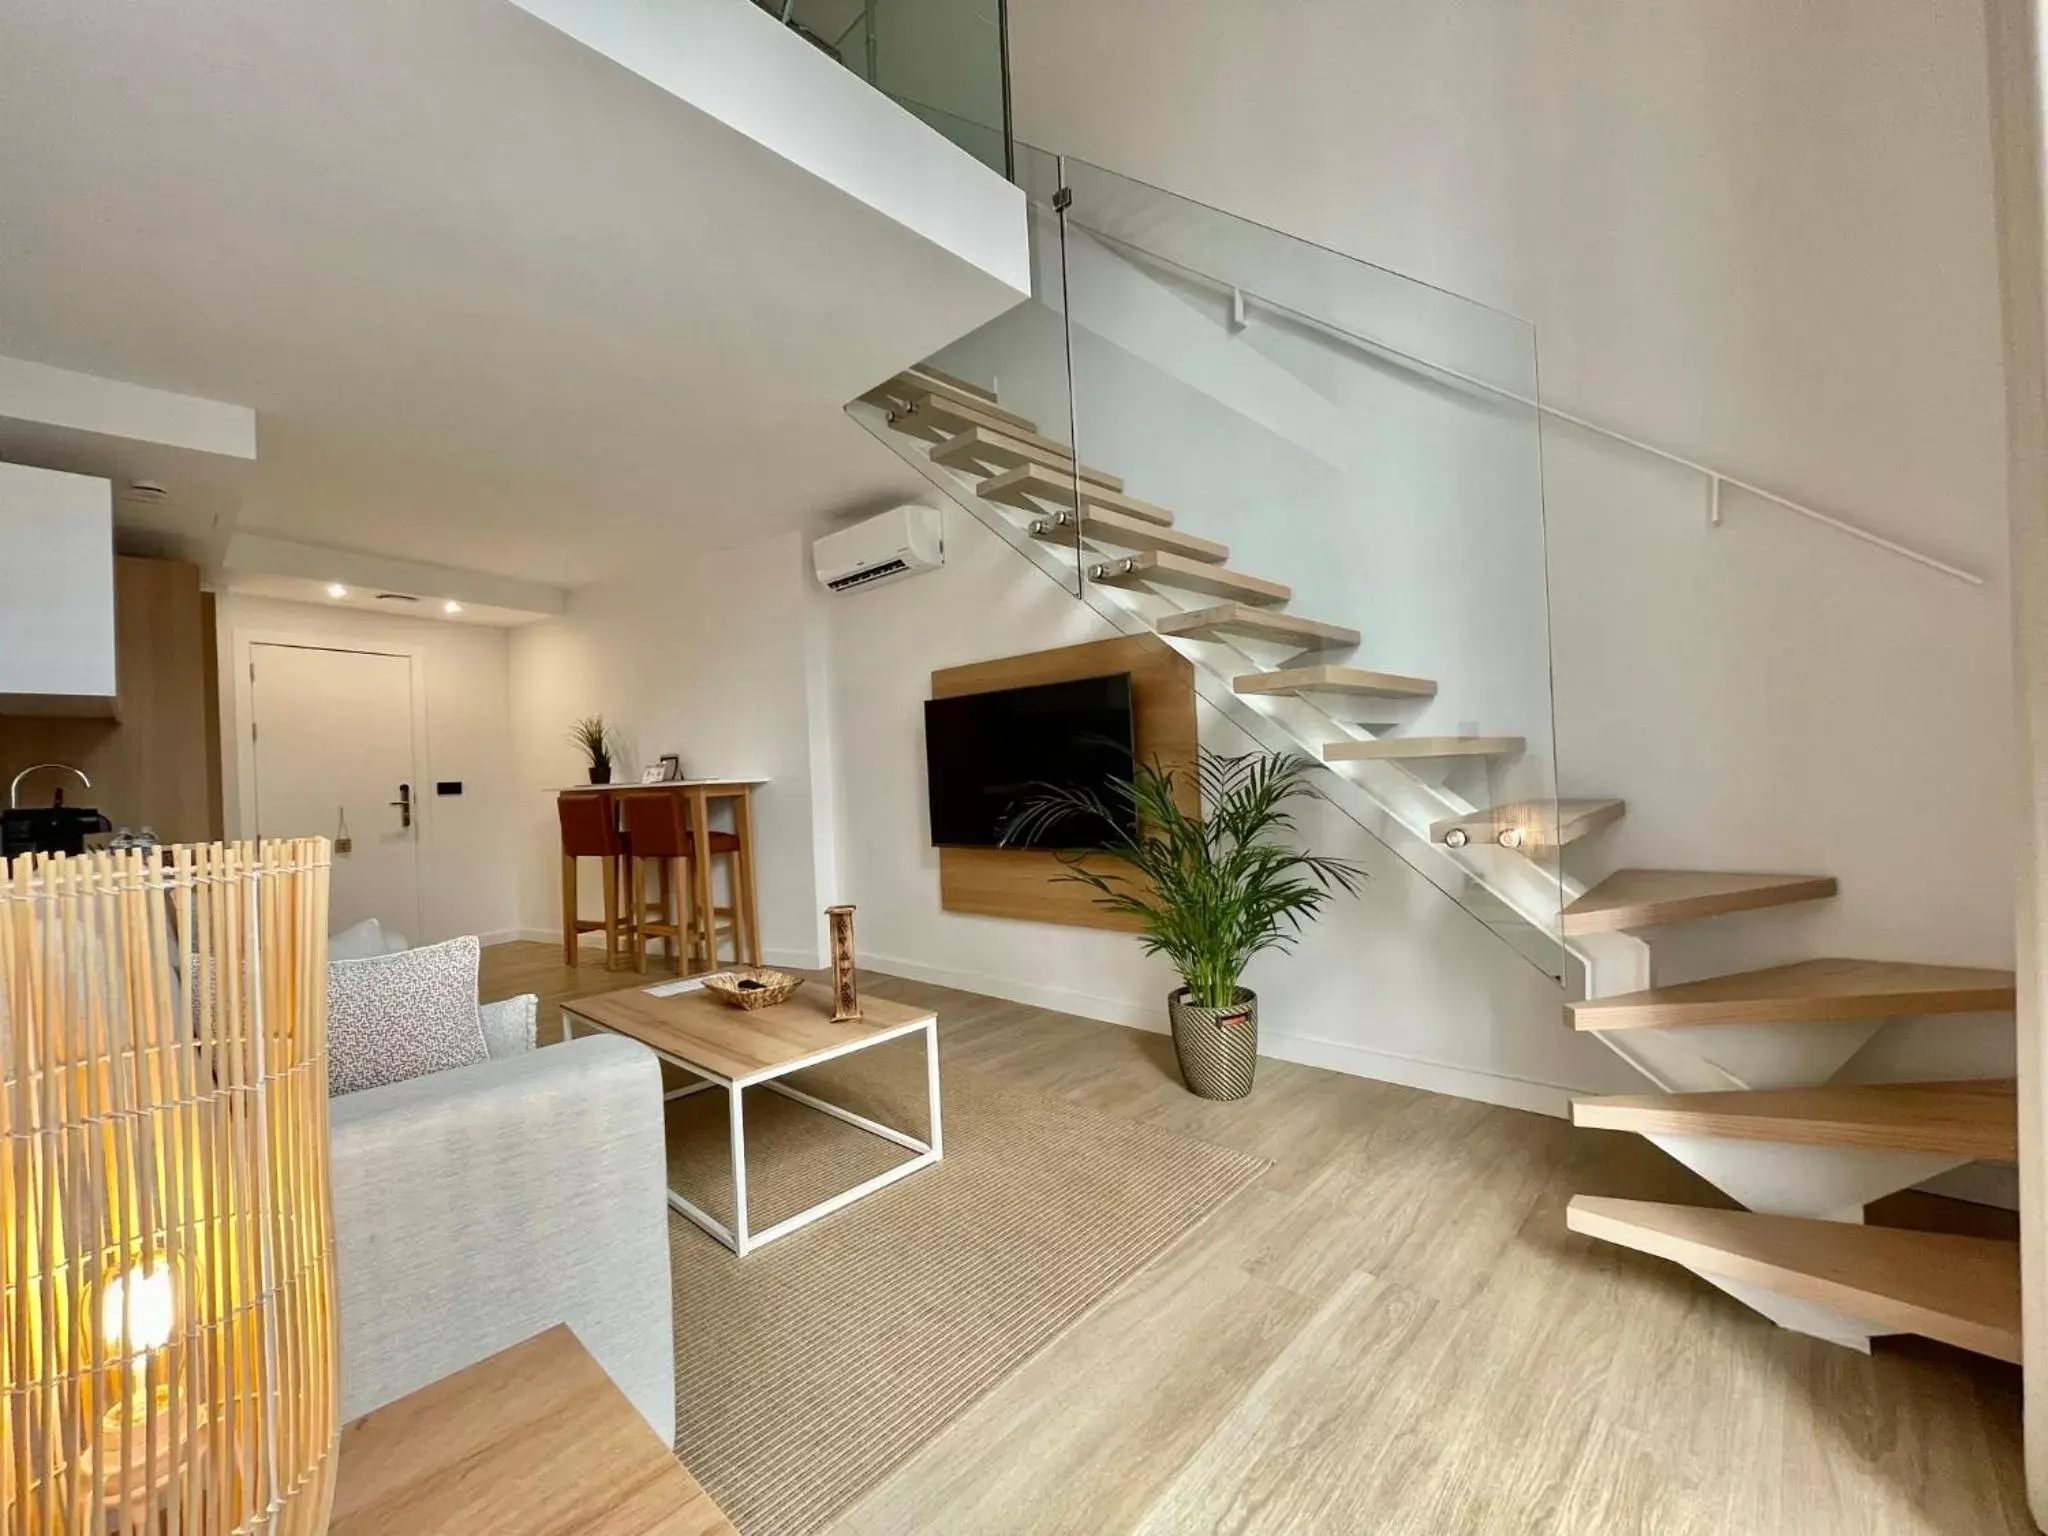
[{"x": 393, "y": 1017}]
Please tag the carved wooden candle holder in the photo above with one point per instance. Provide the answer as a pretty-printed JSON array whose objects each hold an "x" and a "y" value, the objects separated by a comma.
[{"x": 845, "y": 992}]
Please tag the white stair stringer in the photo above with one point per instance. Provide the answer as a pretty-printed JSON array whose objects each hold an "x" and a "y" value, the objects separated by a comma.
[
  {"x": 1797, "y": 1314},
  {"x": 1388, "y": 799},
  {"x": 1782, "y": 1179},
  {"x": 1761, "y": 1055}
]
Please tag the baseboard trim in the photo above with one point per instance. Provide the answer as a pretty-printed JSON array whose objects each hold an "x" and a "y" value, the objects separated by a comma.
[
  {"x": 1542, "y": 1098},
  {"x": 1059, "y": 999},
  {"x": 1419, "y": 1072}
]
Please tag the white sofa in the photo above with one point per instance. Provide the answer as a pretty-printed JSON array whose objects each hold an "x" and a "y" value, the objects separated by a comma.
[{"x": 474, "y": 1208}]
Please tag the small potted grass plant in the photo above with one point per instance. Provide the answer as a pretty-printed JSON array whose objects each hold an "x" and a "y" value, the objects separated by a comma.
[
  {"x": 593, "y": 738},
  {"x": 1211, "y": 888}
]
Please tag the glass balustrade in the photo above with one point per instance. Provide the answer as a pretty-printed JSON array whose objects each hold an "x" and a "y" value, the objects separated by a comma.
[
  {"x": 1320, "y": 480},
  {"x": 942, "y": 60}
]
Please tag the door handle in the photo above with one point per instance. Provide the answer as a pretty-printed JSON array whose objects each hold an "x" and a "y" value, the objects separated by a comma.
[{"x": 404, "y": 804}]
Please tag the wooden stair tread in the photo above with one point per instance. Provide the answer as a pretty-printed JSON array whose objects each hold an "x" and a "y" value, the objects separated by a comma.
[
  {"x": 1809, "y": 991},
  {"x": 1393, "y": 748},
  {"x": 1542, "y": 823},
  {"x": 1256, "y": 624},
  {"x": 1978, "y": 1119},
  {"x": 979, "y": 446},
  {"x": 1963, "y": 1291},
  {"x": 1159, "y": 568},
  {"x": 1122, "y": 532},
  {"x": 1355, "y": 681},
  {"x": 1026, "y": 485},
  {"x": 936, "y": 419},
  {"x": 1641, "y": 898},
  {"x": 965, "y": 386},
  {"x": 909, "y": 387}
]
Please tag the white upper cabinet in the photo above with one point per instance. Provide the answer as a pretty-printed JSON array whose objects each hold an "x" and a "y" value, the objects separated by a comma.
[{"x": 56, "y": 593}]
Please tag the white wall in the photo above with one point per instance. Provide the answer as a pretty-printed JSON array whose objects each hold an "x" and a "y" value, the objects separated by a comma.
[
  {"x": 711, "y": 659},
  {"x": 466, "y": 854}
]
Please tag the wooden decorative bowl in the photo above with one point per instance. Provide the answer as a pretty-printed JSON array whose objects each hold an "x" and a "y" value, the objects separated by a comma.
[{"x": 750, "y": 987}]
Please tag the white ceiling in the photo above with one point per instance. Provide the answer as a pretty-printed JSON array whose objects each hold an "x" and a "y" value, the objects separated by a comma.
[
  {"x": 404, "y": 605},
  {"x": 498, "y": 302}
]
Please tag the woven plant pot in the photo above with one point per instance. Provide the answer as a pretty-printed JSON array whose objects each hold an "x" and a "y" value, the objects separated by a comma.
[{"x": 1218, "y": 1047}]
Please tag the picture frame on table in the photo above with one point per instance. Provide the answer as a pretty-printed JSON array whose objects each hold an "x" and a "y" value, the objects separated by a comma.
[{"x": 671, "y": 768}]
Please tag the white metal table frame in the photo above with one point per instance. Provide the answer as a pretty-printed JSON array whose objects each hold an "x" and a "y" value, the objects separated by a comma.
[{"x": 738, "y": 1237}]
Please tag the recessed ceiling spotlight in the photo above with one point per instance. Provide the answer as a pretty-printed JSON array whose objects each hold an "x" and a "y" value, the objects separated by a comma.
[
  {"x": 336, "y": 589},
  {"x": 451, "y": 606}
]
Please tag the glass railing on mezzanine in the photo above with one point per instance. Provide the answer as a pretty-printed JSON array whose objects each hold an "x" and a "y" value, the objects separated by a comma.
[
  {"x": 942, "y": 60},
  {"x": 1318, "y": 479}
]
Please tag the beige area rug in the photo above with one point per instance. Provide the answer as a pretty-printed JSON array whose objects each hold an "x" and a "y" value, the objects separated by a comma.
[{"x": 810, "y": 1369}]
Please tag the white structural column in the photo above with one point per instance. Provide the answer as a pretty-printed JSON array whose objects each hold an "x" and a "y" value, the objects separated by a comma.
[{"x": 2015, "y": 35}]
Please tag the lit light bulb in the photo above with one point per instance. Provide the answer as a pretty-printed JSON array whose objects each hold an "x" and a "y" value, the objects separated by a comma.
[
  {"x": 336, "y": 589},
  {"x": 1511, "y": 837},
  {"x": 138, "y": 1311},
  {"x": 451, "y": 606},
  {"x": 1455, "y": 838}
]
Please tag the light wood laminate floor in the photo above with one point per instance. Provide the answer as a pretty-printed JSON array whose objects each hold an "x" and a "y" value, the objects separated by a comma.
[{"x": 1393, "y": 1332}]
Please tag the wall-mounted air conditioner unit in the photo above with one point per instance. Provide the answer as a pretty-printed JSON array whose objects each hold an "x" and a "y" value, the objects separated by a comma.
[{"x": 900, "y": 542}]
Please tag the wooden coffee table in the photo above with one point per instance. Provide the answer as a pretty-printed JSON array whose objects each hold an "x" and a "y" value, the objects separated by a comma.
[{"x": 728, "y": 1048}]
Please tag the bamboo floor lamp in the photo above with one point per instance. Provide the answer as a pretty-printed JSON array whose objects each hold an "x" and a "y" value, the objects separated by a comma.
[{"x": 168, "y": 1347}]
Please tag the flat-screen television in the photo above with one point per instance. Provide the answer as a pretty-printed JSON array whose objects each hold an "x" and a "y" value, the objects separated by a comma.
[{"x": 986, "y": 752}]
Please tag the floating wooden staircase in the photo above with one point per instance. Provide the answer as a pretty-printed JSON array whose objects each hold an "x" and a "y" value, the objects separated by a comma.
[
  {"x": 1963, "y": 1291},
  {"x": 1034, "y": 487},
  {"x": 910, "y": 389},
  {"x": 1395, "y": 748},
  {"x": 1809, "y": 991},
  {"x": 1350, "y": 682},
  {"x": 1974, "y": 1119},
  {"x": 965, "y": 386},
  {"x": 1645, "y": 898},
  {"x": 985, "y": 448},
  {"x": 940, "y": 420},
  {"x": 1530, "y": 824},
  {"x": 1852, "y": 1279},
  {"x": 1256, "y": 624},
  {"x": 1123, "y": 531},
  {"x": 1159, "y": 569}
]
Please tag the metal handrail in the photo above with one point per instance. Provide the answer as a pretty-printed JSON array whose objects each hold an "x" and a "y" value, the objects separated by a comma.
[{"x": 1242, "y": 302}]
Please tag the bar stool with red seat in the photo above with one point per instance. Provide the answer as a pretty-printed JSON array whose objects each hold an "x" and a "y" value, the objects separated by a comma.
[
  {"x": 658, "y": 833},
  {"x": 590, "y": 830}
]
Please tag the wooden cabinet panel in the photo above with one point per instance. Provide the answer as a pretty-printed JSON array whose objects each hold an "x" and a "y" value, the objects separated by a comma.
[
  {"x": 157, "y": 762},
  {"x": 1022, "y": 882}
]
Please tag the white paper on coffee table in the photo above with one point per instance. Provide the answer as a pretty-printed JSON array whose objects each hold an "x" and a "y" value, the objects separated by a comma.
[{"x": 675, "y": 988}]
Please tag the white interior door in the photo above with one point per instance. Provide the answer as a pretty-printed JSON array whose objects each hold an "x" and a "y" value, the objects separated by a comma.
[{"x": 333, "y": 756}]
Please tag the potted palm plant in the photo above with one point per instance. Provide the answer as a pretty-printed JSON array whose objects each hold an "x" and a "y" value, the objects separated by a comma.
[
  {"x": 1211, "y": 888},
  {"x": 593, "y": 738}
]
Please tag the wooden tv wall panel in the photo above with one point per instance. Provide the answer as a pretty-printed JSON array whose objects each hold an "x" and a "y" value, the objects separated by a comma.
[{"x": 1021, "y": 882}]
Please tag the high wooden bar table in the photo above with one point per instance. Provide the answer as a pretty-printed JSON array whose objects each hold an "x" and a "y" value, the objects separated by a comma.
[{"x": 698, "y": 795}]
